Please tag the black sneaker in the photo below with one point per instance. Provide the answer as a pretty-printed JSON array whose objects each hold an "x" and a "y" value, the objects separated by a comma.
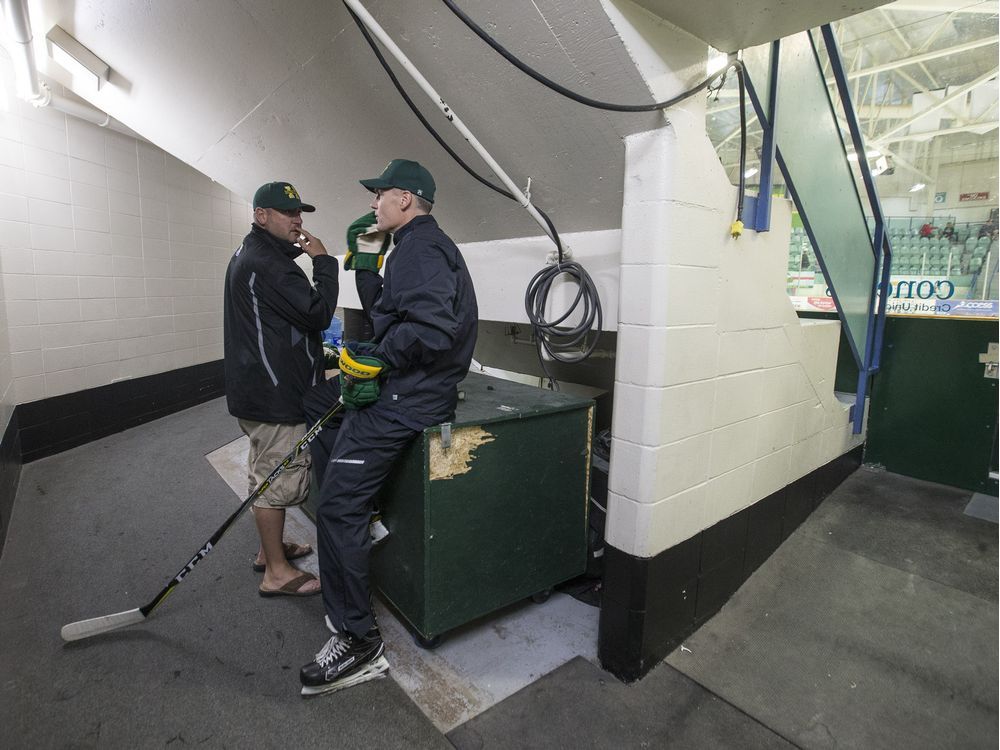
[{"x": 343, "y": 658}]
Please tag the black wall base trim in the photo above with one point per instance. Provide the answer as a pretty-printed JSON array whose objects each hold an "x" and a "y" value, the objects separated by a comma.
[
  {"x": 10, "y": 474},
  {"x": 650, "y": 605},
  {"x": 56, "y": 424}
]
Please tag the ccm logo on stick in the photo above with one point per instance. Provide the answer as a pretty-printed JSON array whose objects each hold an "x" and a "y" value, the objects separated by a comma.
[{"x": 194, "y": 561}]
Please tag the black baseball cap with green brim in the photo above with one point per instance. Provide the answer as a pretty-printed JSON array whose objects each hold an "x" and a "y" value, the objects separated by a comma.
[
  {"x": 279, "y": 195},
  {"x": 405, "y": 175}
]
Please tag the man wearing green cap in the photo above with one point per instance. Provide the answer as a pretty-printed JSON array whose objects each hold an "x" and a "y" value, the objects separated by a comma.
[
  {"x": 273, "y": 322},
  {"x": 425, "y": 317}
]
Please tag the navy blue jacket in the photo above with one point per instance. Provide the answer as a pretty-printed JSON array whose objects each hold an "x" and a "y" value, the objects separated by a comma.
[
  {"x": 425, "y": 318},
  {"x": 273, "y": 325}
]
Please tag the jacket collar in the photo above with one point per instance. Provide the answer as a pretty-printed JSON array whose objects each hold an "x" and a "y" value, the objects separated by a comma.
[
  {"x": 417, "y": 221},
  {"x": 283, "y": 246}
]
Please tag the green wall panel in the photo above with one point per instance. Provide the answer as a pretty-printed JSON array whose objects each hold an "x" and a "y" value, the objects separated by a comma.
[{"x": 933, "y": 414}]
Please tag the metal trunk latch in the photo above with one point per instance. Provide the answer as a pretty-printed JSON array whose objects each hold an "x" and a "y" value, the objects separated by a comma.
[{"x": 990, "y": 360}]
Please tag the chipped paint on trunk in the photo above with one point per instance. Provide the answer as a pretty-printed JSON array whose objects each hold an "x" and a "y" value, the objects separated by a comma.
[
  {"x": 590, "y": 454},
  {"x": 446, "y": 463}
]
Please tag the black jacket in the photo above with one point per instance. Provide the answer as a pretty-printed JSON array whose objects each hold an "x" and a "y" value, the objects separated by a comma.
[
  {"x": 425, "y": 318},
  {"x": 273, "y": 323}
]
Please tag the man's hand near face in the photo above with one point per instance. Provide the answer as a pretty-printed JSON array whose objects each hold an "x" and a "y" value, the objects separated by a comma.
[{"x": 311, "y": 244}]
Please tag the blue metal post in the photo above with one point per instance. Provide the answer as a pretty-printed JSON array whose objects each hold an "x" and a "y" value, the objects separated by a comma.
[
  {"x": 876, "y": 321},
  {"x": 762, "y": 211}
]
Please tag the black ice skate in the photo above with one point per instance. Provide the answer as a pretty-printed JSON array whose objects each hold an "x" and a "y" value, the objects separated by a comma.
[{"x": 345, "y": 661}]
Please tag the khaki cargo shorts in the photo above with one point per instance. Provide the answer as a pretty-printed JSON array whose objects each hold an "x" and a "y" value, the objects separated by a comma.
[{"x": 269, "y": 444}]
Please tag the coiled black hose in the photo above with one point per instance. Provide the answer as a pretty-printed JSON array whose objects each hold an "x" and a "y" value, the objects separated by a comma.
[{"x": 564, "y": 343}]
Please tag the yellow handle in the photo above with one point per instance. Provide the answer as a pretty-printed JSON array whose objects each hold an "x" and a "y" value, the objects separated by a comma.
[{"x": 359, "y": 370}]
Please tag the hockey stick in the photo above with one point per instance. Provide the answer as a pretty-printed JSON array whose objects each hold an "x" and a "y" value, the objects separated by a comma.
[{"x": 74, "y": 631}]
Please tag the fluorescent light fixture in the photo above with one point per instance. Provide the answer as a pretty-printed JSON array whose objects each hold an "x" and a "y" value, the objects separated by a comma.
[
  {"x": 77, "y": 59},
  {"x": 917, "y": 187},
  {"x": 750, "y": 172}
]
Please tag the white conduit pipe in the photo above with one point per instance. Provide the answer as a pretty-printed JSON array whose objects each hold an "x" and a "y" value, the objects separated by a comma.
[
  {"x": 373, "y": 26},
  {"x": 15, "y": 14},
  {"x": 80, "y": 110},
  {"x": 26, "y": 72}
]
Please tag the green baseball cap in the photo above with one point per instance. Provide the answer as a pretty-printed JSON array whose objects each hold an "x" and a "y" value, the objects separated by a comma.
[
  {"x": 405, "y": 175},
  {"x": 279, "y": 195}
]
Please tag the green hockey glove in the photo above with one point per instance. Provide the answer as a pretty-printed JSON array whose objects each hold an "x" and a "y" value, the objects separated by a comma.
[
  {"x": 366, "y": 246},
  {"x": 359, "y": 377}
]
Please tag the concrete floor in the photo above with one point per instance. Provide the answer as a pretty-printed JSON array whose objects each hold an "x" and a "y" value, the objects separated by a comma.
[{"x": 873, "y": 626}]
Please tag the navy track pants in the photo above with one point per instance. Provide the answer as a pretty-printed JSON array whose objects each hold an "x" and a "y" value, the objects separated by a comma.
[{"x": 361, "y": 450}]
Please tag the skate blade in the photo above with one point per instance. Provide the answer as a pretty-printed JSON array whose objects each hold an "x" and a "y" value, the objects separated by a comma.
[{"x": 373, "y": 671}]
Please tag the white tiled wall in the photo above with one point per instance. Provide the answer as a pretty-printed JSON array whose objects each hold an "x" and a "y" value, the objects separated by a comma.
[
  {"x": 112, "y": 253},
  {"x": 722, "y": 395}
]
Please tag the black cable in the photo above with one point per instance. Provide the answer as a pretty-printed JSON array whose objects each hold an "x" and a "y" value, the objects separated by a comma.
[
  {"x": 557, "y": 341},
  {"x": 719, "y": 76},
  {"x": 437, "y": 136},
  {"x": 559, "y": 89},
  {"x": 413, "y": 107}
]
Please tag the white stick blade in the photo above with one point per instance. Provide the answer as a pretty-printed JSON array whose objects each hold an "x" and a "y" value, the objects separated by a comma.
[{"x": 96, "y": 625}]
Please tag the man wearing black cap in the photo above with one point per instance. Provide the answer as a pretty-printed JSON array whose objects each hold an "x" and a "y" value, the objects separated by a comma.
[
  {"x": 424, "y": 316},
  {"x": 274, "y": 320}
]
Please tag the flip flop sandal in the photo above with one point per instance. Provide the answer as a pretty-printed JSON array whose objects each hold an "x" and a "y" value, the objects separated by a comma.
[
  {"x": 292, "y": 552},
  {"x": 292, "y": 588}
]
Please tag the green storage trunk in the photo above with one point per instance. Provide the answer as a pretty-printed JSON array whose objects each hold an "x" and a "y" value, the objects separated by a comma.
[{"x": 492, "y": 513}]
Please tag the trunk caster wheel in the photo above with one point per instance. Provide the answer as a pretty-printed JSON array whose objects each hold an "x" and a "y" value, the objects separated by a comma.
[
  {"x": 428, "y": 644},
  {"x": 542, "y": 596}
]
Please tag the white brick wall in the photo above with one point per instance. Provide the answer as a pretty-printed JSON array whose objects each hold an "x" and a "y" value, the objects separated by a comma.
[
  {"x": 722, "y": 396},
  {"x": 112, "y": 254}
]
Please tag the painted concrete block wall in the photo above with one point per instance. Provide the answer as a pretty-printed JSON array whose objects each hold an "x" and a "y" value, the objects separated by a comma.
[
  {"x": 112, "y": 253},
  {"x": 722, "y": 395}
]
